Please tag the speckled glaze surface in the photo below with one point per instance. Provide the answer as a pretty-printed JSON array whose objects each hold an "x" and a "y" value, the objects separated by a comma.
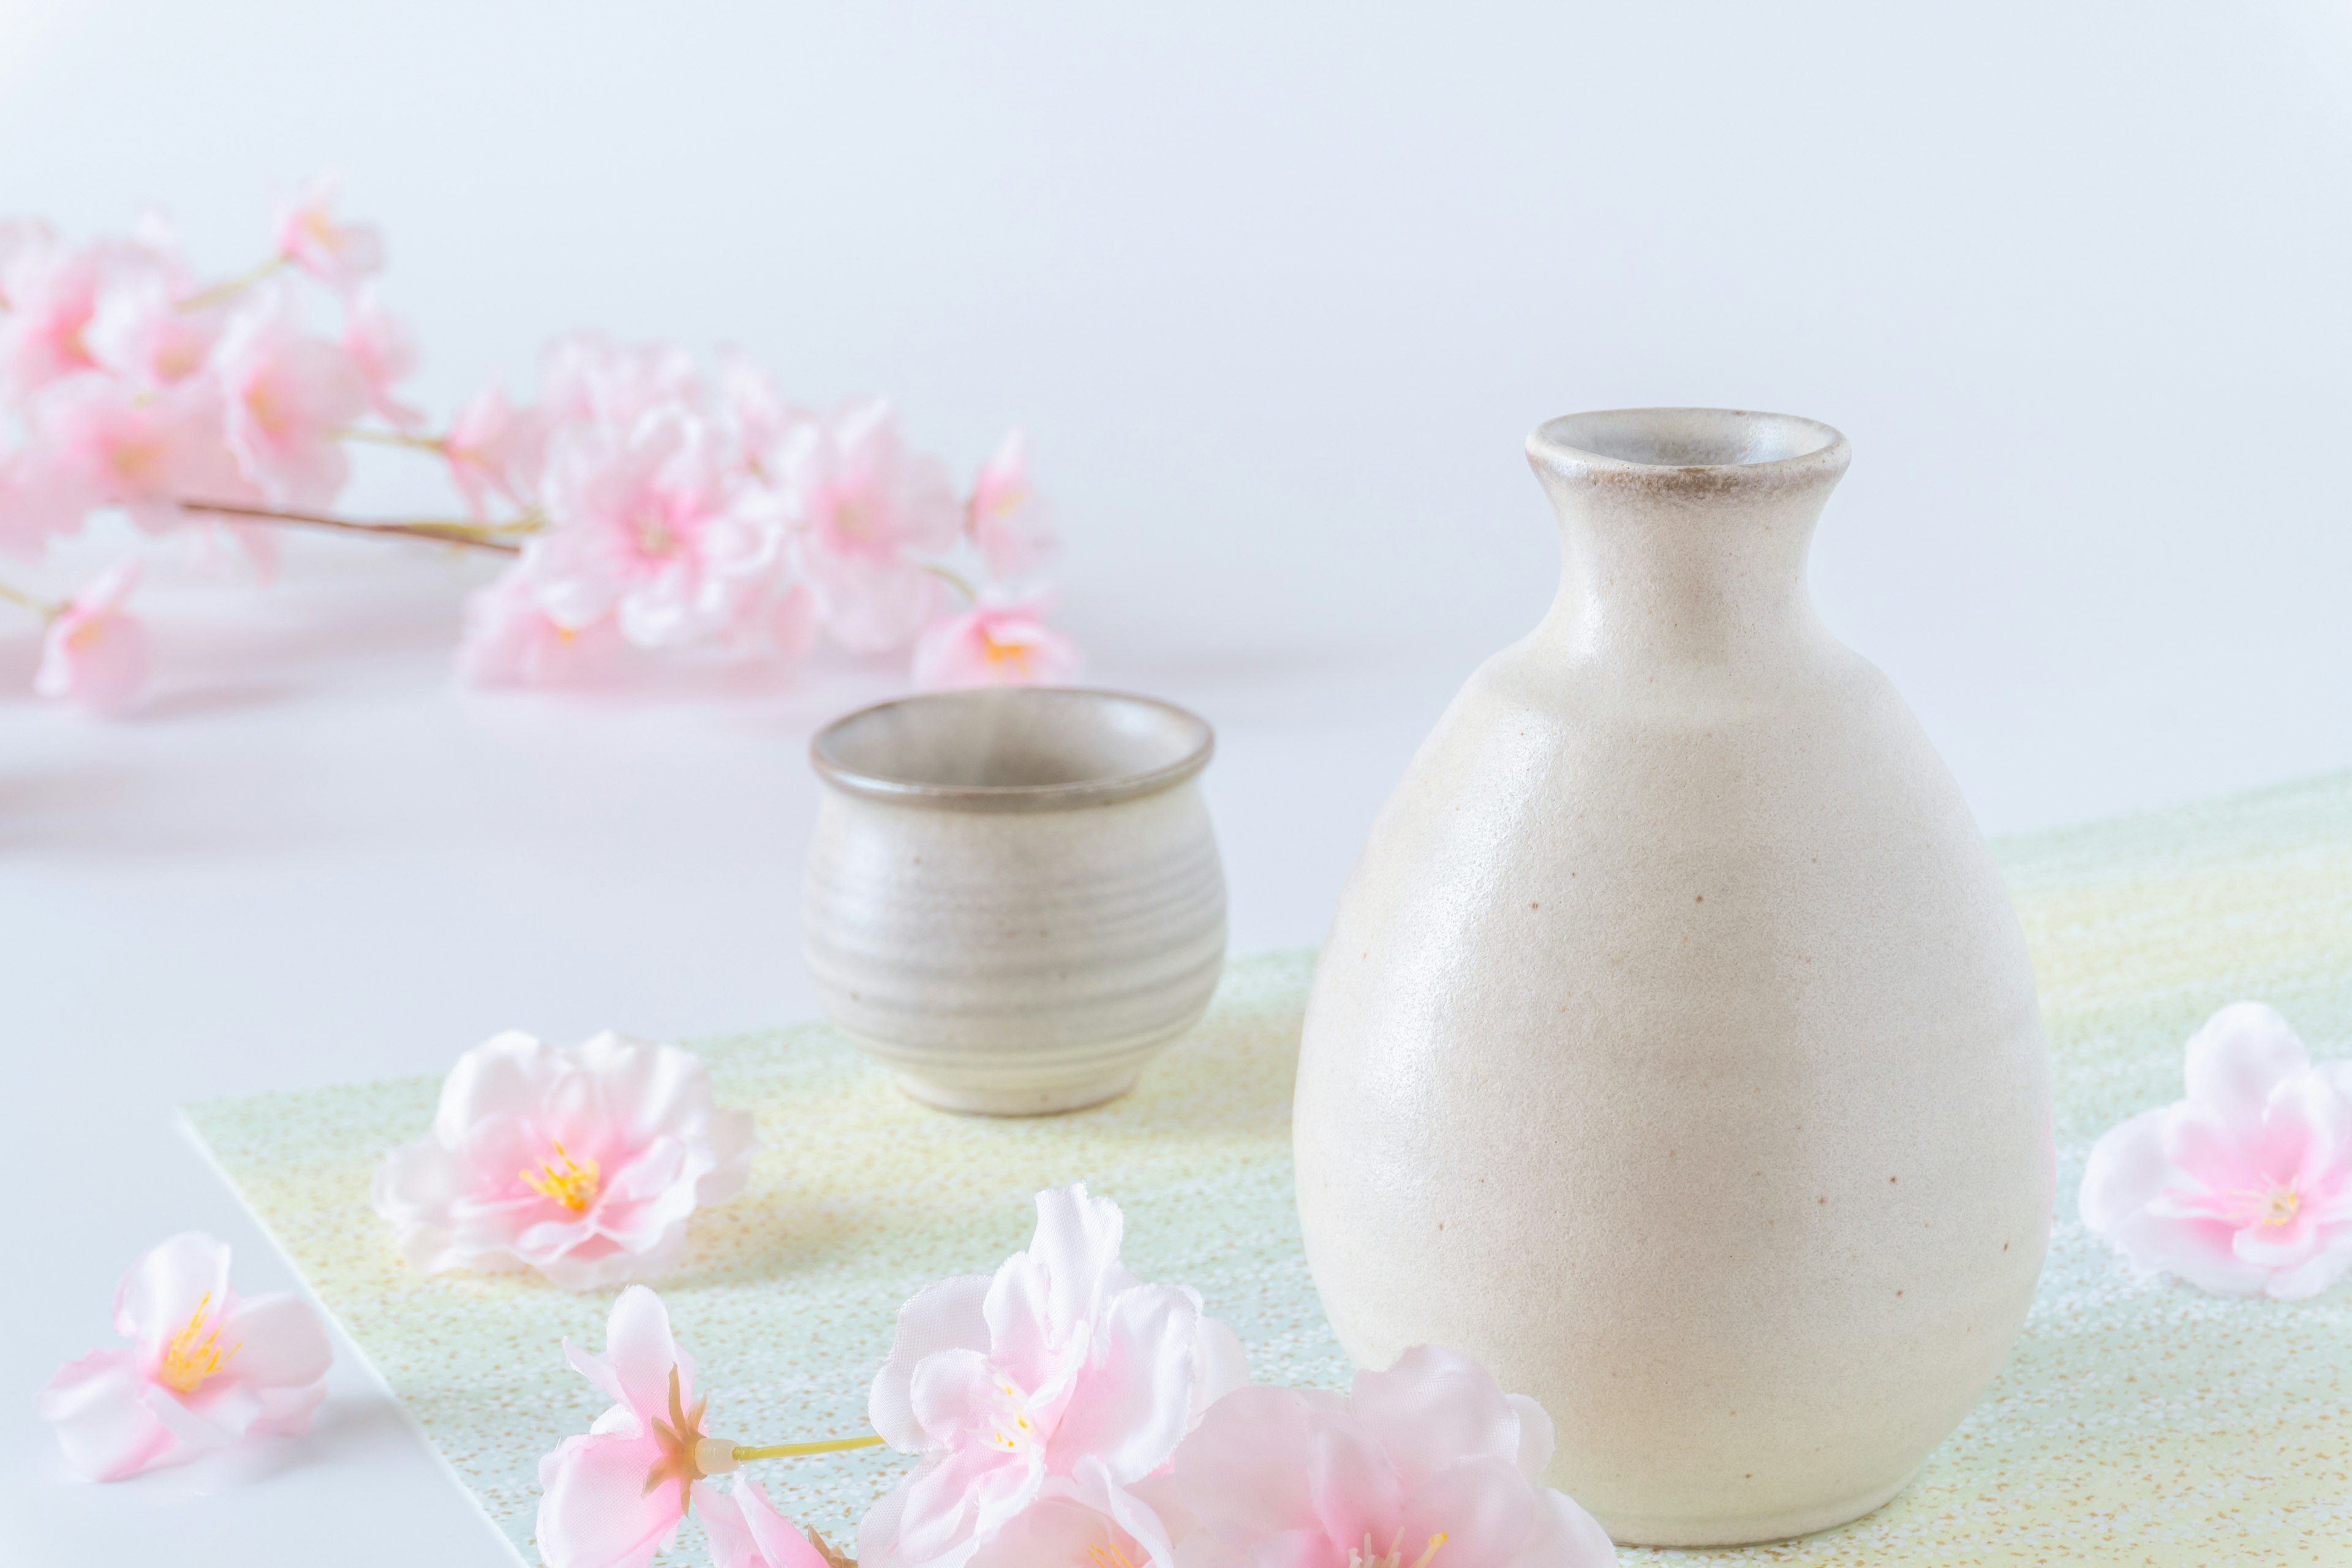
[
  {"x": 1013, "y": 896},
  {"x": 1675, "y": 1050}
]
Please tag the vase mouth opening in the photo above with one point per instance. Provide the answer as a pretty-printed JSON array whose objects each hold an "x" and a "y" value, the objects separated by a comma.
[
  {"x": 1719, "y": 443},
  {"x": 1029, "y": 748}
]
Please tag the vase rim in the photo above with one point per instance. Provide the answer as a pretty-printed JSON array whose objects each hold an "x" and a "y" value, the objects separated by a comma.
[
  {"x": 1713, "y": 446},
  {"x": 1017, "y": 749}
]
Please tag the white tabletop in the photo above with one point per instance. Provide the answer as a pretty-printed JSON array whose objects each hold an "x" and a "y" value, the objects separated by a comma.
[{"x": 1277, "y": 298}]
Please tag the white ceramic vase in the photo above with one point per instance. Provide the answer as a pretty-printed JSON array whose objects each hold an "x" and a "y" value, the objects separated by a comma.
[
  {"x": 1675, "y": 1050},
  {"x": 1013, "y": 896}
]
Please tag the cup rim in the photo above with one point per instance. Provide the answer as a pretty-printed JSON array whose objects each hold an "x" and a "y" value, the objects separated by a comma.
[{"x": 1100, "y": 791}]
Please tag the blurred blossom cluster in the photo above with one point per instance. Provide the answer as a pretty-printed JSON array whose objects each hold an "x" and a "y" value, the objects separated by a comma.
[{"x": 655, "y": 507}]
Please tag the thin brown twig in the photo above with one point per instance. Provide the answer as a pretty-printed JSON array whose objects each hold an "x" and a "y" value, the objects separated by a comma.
[{"x": 471, "y": 536}]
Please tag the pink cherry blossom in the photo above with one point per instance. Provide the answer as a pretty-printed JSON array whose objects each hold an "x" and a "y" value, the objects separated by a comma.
[
  {"x": 204, "y": 1368},
  {"x": 616, "y": 1494},
  {"x": 94, "y": 651},
  {"x": 2245, "y": 1187},
  {"x": 287, "y": 393},
  {"x": 648, "y": 528},
  {"x": 584, "y": 1164},
  {"x": 142, "y": 449},
  {"x": 1059, "y": 1379},
  {"x": 495, "y": 448},
  {"x": 746, "y": 1531},
  {"x": 997, "y": 642},
  {"x": 311, "y": 238},
  {"x": 383, "y": 347},
  {"x": 1007, "y": 517},
  {"x": 51, "y": 290},
  {"x": 862, "y": 508},
  {"x": 144, "y": 331},
  {"x": 511, "y": 640},
  {"x": 1428, "y": 1463},
  {"x": 40, "y": 495},
  {"x": 589, "y": 379},
  {"x": 757, "y": 410},
  {"x": 1136, "y": 1526}
]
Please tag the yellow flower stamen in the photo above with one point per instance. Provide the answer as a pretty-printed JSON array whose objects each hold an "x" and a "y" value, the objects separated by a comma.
[
  {"x": 1015, "y": 654},
  {"x": 195, "y": 1352},
  {"x": 1111, "y": 1556},
  {"x": 1366, "y": 1556},
  {"x": 574, "y": 1186}
]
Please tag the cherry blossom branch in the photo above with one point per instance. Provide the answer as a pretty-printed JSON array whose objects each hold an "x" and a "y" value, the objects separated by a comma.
[
  {"x": 231, "y": 287},
  {"x": 48, "y": 609},
  {"x": 471, "y": 535},
  {"x": 954, "y": 579},
  {"x": 790, "y": 1450},
  {"x": 436, "y": 443}
]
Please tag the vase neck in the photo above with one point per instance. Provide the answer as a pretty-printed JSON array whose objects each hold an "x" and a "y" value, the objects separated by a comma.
[{"x": 1684, "y": 531}]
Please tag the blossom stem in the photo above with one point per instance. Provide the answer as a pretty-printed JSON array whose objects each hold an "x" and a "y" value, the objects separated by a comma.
[
  {"x": 48, "y": 609},
  {"x": 435, "y": 444},
  {"x": 954, "y": 579},
  {"x": 471, "y": 535},
  {"x": 788, "y": 1450},
  {"x": 232, "y": 288}
]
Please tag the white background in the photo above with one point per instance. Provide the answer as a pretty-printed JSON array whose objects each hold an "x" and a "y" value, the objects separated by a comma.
[{"x": 1277, "y": 292}]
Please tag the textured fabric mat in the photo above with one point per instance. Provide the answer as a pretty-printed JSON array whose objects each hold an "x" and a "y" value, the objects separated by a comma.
[{"x": 2136, "y": 1423}]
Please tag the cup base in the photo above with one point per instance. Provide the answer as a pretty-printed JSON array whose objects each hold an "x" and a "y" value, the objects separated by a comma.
[
  {"x": 1674, "y": 1533},
  {"x": 996, "y": 1101}
]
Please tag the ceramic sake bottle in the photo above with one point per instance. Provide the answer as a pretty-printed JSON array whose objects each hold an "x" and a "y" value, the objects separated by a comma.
[{"x": 1675, "y": 1050}]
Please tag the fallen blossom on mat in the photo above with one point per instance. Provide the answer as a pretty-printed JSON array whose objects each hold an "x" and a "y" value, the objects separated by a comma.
[
  {"x": 2244, "y": 1188},
  {"x": 1059, "y": 1380},
  {"x": 206, "y": 1367},
  {"x": 1427, "y": 1465},
  {"x": 585, "y": 1164}
]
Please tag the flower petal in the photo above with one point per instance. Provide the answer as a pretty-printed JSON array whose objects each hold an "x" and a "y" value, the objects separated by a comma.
[
  {"x": 1434, "y": 1408},
  {"x": 2126, "y": 1169},
  {"x": 105, "y": 1427},
  {"x": 593, "y": 1509},
  {"x": 942, "y": 1317},
  {"x": 281, "y": 1342},
  {"x": 2243, "y": 1052},
  {"x": 1134, "y": 1403},
  {"x": 163, "y": 1289},
  {"x": 1239, "y": 1470}
]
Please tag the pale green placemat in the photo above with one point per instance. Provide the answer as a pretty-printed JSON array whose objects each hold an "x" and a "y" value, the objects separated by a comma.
[{"x": 2136, "y": 1423}]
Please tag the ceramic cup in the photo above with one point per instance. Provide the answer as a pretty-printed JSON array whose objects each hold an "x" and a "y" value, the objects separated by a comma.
[{"x": 1014, "y": 897}]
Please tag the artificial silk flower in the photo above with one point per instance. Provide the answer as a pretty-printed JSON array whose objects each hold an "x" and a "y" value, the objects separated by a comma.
[
  {"x": 288, "y": 395},
  {"x": 1006, "y": 518},
  {"x": 584, "y": 1164},
  {"x": 1427, "y": 1465},
  {"x": 50, "y": 293},
  {"x": 495, "y": 448},
  {"x": 586, "y": 379},
  {"x": 648, "y": 528},
  {"x": 310, "y": 237},
  {"x": 204, "y": 1367},
  {"x": 383, "y": 347},
  {"x": 1060, "y": 1379},
  {"x": 146, "y": 330},
  {"x": 997, "y": 642},
  {"x": 746, "y": 1531},
  {"x": 616, "y": 1494},
  {"x": 511, "y": 640},
  {"x": 862, "y": 508},
  {"x": 141, "y": 448},
  {"x": 94, "y": 651},
  {"x": 2244, "y": 1188}
]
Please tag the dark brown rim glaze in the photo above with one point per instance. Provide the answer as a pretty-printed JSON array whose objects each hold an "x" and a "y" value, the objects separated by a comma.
[{"x": 1101, "y": 791}]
